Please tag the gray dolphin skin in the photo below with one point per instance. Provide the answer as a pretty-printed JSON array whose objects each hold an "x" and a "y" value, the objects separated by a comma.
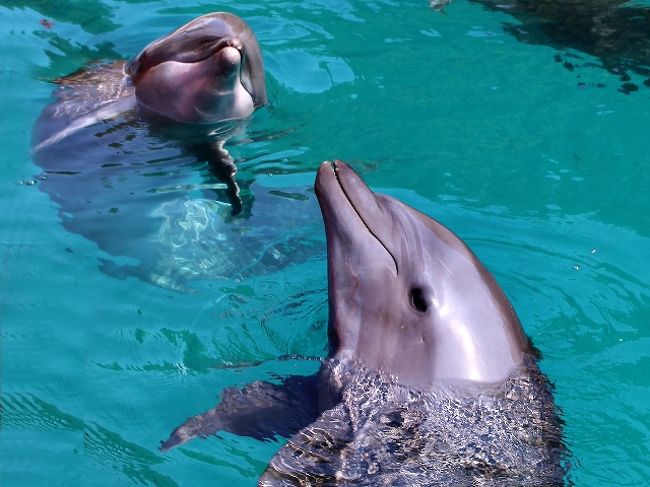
[
  {"x": 411, "y": 290},
  {"x": 206, "y": 72},
  {"x": 430, "y": 379}
]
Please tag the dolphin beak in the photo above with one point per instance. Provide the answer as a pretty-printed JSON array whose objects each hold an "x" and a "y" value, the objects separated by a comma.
[
  {"x": 230, "y": 42},
  {"x": 348, "y": 204}
]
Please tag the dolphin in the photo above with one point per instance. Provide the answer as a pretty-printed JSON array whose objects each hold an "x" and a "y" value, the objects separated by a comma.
[
  {"x": 430, "y": 378},
  {"x": 207, "y": 72}
]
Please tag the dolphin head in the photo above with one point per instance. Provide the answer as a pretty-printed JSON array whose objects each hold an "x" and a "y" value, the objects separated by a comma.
[
  {"x": 208, "y": 70},
  {"x": 406, "y": 295}
]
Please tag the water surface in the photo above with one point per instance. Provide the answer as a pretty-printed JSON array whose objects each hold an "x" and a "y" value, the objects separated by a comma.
[{"x": 542, "y": 169}]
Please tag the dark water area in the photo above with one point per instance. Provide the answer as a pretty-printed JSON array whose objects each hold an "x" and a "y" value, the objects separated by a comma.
[{"x": 614, "y": 32}]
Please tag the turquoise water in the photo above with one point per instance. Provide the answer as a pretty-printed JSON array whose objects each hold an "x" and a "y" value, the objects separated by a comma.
[{"x": 546, "y": 179}]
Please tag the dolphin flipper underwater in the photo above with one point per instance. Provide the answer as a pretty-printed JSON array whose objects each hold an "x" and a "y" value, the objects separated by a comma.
[
  {"x": 430, "y": 379},
  {"x": 207, "y": 72}
]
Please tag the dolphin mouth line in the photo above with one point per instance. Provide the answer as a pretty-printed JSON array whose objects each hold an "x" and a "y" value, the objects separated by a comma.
[
  {"x": 213, "y": 46},
  {"x": 208, "y": 48},
  {"x": 347, "y": 197}
]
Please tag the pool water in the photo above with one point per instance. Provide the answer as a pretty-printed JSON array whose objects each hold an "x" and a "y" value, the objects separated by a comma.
[{"x": 133, "y": 308}]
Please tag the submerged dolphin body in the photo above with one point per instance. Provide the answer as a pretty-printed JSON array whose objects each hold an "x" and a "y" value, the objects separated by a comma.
[
  {"x": 430, "y": 378},
  {"x": 207, "y": 72}
]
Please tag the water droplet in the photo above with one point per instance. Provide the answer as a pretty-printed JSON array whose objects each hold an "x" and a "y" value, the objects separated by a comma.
[{"x": 576, "y": 267}]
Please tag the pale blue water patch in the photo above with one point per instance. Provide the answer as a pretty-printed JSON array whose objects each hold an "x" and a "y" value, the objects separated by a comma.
[{"x": 545, "y": 178}]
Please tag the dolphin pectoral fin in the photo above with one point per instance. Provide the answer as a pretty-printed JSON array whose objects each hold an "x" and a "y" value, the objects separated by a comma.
[
  {"x": 201, "y": 426},
  {"x": 223, "y": 167},
  {"x": 260, "y": 410}
]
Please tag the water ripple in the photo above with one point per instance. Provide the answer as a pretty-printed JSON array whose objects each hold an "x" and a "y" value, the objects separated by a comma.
[{"x": 27, "y": 413}]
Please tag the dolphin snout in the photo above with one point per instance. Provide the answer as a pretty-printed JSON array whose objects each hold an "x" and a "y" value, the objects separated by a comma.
[
  {"x": 228, "y": 58},
  {"x": 226, "y": 42},
  {"x": 338, "y": 186}
]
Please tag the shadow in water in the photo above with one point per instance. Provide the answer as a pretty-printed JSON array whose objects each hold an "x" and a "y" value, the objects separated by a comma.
[{"x": 616, "y": 32}]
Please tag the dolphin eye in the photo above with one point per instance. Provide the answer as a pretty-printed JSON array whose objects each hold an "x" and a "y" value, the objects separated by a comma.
[{"x": 418, "y": 299}]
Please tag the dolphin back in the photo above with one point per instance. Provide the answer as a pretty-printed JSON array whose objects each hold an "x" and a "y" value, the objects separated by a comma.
[{"x": 99, "y": 91}]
